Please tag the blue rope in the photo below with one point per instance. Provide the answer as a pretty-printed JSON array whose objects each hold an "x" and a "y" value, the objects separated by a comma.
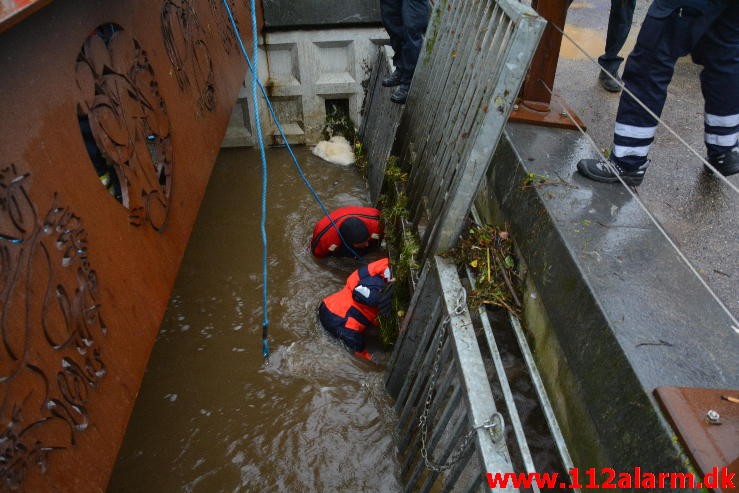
[
  {"x": 256, "y": 82},
  {"x": 262, "y": 155},
  {"x": 255, "y": 77}
]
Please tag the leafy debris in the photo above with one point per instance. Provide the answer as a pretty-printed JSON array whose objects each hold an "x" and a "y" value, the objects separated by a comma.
[{"x": 488, "y": 251}]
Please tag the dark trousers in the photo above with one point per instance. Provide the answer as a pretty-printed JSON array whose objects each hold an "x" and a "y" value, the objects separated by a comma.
[
  {"x": 619, "y": 25},
  {"x": 334, "y": 325},
  {"x": 405, "y": 22},
  {"x": 712, "y": 38}
]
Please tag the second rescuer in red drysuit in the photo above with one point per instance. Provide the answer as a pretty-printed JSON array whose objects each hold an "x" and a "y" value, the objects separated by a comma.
[
  {"x": 347, "y": 313},
  {"x": 359, "y": 226}
]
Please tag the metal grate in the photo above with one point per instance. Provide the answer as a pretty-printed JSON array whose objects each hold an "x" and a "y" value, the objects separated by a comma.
[
  {"x": 449, "y": 428},
  {"x": 475, "y": 56},
  {"x": 380, "y": 122},
  {"x": 450, "y": 433}
]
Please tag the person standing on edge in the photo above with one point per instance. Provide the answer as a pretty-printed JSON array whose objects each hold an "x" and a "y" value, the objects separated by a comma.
[
  {"x": 619, "y": 25},
  {"x": 709, "y": 31},
  {"x": 405, "y": 22}
]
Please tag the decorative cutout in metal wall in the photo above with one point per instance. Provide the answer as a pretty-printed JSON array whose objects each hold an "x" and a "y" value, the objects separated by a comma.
[
  {"x": 184, "y": 39},
  {"x": 83, "y": 98},
  {"x": 125, "y": 125},
  {"x": 51, "y": 326},
  {"x": 223, "y": 23}
]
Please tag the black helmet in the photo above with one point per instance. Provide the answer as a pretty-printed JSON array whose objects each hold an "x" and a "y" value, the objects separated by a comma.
[{"x": 354, "y": 231}]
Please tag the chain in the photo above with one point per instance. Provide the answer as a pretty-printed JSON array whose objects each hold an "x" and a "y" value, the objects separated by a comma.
[
  {"x": 495, "y": 425},
  {"x": 423, "y": 420}
]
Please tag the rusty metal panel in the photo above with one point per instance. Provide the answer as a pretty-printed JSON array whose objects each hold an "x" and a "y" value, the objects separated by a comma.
[
  {"x": 712, "y": 440},
  {"x": 538, "y": 106},
  {"x": 14, "y": 11},
  {"x": 112, "y": 116}
]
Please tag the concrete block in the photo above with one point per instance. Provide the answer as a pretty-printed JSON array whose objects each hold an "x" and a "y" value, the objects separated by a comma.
[
  {"x": 302, "y": 70},
  {"x": 240, "y": 131},
  {"x": 333, "y": 65}
]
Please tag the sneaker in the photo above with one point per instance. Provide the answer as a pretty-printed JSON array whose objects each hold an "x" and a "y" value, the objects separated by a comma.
[
  {"x": 392, "y": 80},
  {"x": 401, "y": 94},
  {"x": 598, "y": 170},
  {"x": 608, "y": 83},
  {"x": 727, "y": 163}
]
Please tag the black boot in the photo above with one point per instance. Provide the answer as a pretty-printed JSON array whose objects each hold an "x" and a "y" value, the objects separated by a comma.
[
  {"x": 599, "y": 170},
  {"x": 608, "y": 83},
  {"x": 401, "y": 94},
  {"x": 392, "y": 80},
  {"x": 727, "y": 163}
]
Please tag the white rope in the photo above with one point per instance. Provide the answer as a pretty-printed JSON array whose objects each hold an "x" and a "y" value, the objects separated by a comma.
[
  {"x": 651, "y": 113},
  {"x": 735, "y": 323}
]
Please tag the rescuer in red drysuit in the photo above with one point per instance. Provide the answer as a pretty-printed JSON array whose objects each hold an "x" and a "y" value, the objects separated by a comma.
[
  {"x": 359, "y": 226},
  {"x": 347, "y": 313}
]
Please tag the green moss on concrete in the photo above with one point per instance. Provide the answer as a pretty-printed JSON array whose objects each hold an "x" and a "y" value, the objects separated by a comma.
[{"x": 571, "y": 412}]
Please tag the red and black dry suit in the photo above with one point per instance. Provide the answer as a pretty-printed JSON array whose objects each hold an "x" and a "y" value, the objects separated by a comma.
[
  {"x": 347, "y": 313},
  {"x": 326, "y": 240}
]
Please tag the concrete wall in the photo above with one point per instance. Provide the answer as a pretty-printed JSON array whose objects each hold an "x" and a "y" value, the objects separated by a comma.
[
  {"x": 612, "y": 313},
  {"x": 301, "y": 71}
]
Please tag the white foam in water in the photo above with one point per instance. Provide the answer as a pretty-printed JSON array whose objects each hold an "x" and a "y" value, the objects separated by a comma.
[
  {"x": 238, "y": 458},
  {"x": 338, "y": 150}
]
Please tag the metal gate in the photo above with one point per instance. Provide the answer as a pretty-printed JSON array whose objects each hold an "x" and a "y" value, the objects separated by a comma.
[
  {"x": 474, "y": 58},
  {"x": 448, "y": 422},
  {"x": 380, "y": 123},
  {"x": 450, "y": 433}
]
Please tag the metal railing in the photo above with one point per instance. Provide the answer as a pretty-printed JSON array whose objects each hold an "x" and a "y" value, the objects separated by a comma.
[
  {"x": 443, "y": 398},
  {"x": 475, "y": 56},
  {"x": 444, "y": 394}
]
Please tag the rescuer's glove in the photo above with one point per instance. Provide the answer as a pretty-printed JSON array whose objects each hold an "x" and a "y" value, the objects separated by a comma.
[{"x": 386, "y": 300}]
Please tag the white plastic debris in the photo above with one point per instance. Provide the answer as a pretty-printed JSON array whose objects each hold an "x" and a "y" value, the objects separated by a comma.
[{"x": 338, "y": 150}]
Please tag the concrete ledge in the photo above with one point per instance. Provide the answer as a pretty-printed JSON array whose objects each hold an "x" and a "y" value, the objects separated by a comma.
[{"x": 613, "y": 312}]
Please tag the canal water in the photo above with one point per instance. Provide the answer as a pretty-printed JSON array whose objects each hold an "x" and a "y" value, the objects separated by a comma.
[{"x": 210, "y": 415}]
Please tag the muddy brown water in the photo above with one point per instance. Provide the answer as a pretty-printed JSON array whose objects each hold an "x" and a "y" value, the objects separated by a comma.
[{"x": 210, "y": 415}]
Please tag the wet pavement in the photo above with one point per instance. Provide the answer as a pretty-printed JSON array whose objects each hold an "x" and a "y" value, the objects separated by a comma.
[
  {"x": 210, "y": 416},
  {"x": 700, "y": 213}
]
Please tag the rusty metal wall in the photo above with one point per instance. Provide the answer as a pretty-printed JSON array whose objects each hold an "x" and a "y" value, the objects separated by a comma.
[
  {"x": 14, "y": 11},
  {"x": 112, "y": 116}
]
